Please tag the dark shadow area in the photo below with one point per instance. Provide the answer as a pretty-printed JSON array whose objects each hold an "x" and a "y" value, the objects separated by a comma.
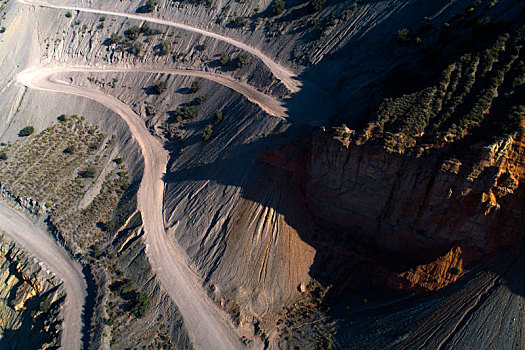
[
  {"x": 142, "y": 9},
  {"x": 38, "y": 314}
]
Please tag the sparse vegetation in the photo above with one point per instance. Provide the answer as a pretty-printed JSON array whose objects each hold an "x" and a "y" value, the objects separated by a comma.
[
  {"x": 118, "y": 161},
  {"x": 62, "y": 118},
  {"x": 3, "y": 156}
]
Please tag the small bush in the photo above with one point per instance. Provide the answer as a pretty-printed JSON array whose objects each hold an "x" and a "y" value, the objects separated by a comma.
[
  {"x": 239, "y": 22},
  {"x": 28, "y": 130},
  {"x": 200, "y": 100},
  {"x": 45, "y": 306},
  {"x": 403, "y": 35},
  {"x": 225, "y": 59},
  {"x": 132, "y": 33},
  {"x": 243, "y": 60},
  {"x": 141, "y": 305},
  {"x": 317, "y": 5},
  {"x": 148, "y": 31},
  {"x": 195, "y": 86},
  {"x": 68, "y": 14},
  {"x": 115, "y": 38},
  {"x": 62, "y": 118},
  {"x": 2, "y": 30},
  {"x": 151, "y": 5},
  {"x": 159, "y": 87},
  {"x": 278, "y": 7},
  {"x": 207, "y": 132},
  {"x": 218, "y": 116},
  {"x": 118, "y": 161},
  {"x": 164, "y": 47},
  {"x": 88, "y": 173},
  {"x": 455, "y": 271},
  {"x": 3, "y": 156},
  {"x": 69, "y": 150}
]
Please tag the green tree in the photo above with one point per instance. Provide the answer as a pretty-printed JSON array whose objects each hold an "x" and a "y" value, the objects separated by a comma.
[
  {"x": 225, "y": 59},
  {"x": 195, "y": 86},
  {"x": 28, "y": 130},
  {"x": 207, "y": 132},
  {"x": 317, "y": 5},
  {"x": 278, "y": 7},
  {"x": 151, "y": 5},
  {"x": 159, "y": 87}
]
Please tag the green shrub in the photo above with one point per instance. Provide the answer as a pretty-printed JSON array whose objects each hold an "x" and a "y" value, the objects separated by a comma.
[
  {"x": 115, "y": 38},
  {"x": 207, "y": 132},
  {"x": 200, "y": 100},
  {"x": 225, "y": 59},
  {"x": 218, "y": 116},
  {"x": 69, "y": 149},
  {"x": 2, "y": 30},
  {"x": 403, "y": 35},
  {"x": 88, "y": 173},
  {"x": 118, "y": 161},
  {"x": 243, "y": 60},
  {"x": 142, "y": 304},
  {"x": 455, "y": 271},
  {"x": 132, "y": 33},
  {"x": 239, "y": 22},
  {"x": 195, "y": 86},
  {"x": 159, "y": 87},
  {"x": 151, "y": 4},
  {"x": 68, "y": 14},
  {"x": 45, "y": 306},
  {"x": 186, "y": 112},
  {"x": 317, "y": 5},
  {"x": 278, "y": 7},
  {"x": 148, "y": 31},
  {"x": 28, "y": 130},
  {"x": 62, "y": 118},
  {"x": 3, "y": 156},
  {"x": 164, "y": 47}
]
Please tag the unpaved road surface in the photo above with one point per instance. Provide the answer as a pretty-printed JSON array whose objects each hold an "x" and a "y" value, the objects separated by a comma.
[
  {"x": 207, "y": 326},
  {"x": 267, "y": 103},
  {"x": 59, "y": 262},
  {"x": 286, "y": 76}
]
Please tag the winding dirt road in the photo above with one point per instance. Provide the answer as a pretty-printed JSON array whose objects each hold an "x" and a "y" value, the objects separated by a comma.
[
  {"x": 267, "y": 103},
  {"x": 58, "y": 261},
  {"x": 207, "y": 326},
  {"x": 286, "y": 76}
]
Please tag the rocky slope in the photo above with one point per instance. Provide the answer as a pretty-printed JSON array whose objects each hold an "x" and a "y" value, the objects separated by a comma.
[{"x": 31, "y": 301}]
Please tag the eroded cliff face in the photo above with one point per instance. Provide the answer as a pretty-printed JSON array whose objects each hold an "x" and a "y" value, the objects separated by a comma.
[
  {"x": 31, "y": 299},
  {"x": 434, "y": 214}
]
